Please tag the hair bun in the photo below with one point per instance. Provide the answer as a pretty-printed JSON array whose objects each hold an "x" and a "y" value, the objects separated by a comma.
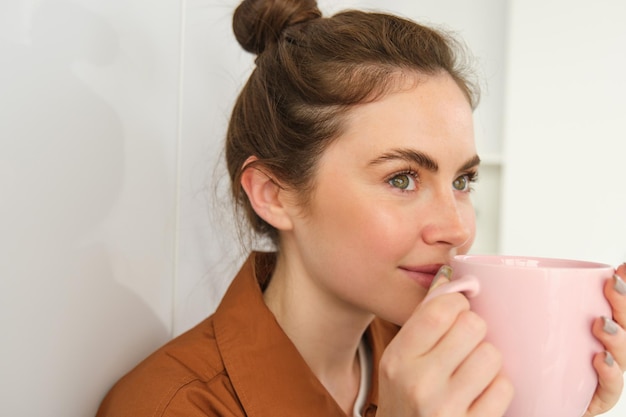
[{"x": 259, "y": 23}]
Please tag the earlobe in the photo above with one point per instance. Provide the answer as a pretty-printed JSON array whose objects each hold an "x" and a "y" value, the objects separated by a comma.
[{"x": 264, "y": 195}]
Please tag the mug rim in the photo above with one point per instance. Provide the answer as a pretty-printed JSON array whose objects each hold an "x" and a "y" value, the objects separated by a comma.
[{"x": 528, "y": 261}]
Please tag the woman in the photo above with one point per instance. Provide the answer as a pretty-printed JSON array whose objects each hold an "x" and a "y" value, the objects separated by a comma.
[{"x": 351, "y": 148}]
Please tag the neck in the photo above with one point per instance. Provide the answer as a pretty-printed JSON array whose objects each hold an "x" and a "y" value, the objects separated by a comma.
[{"x": 326, "y": 331}]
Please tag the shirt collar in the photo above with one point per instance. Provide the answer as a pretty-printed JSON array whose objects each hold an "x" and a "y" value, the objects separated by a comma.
[{"x": 268, "y": 373}]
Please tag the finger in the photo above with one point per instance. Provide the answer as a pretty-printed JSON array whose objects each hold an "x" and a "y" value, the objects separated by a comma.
[
  {"x": 615, "y": 292},
  {"x": 431, "y": 321},
  {"x": 613, "y": 337},
  {"x": 495, "y": 400},
  {"x": 442, "y": 277},
  {"x": 459, "y": 342},
  {"x": 477, "y": 372},
  {"x": 610, "y": 384}
]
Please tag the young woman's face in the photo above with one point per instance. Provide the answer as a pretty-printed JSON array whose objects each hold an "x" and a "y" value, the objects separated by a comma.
[{"x": 391, "y": 202}]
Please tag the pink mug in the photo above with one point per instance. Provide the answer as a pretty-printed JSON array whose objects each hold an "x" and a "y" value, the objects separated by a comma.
[{"x": 539, "y": 313}]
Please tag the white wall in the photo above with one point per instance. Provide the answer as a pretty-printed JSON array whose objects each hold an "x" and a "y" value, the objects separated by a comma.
[
  {"x": 88, "y": 138},
  {"x": 565, "y": 142},
  {"x": 113, "y": 237}
]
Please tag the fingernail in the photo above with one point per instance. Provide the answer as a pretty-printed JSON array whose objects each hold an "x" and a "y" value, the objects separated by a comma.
[
  {"x": 619, "y": 285},
  {"x": 608, "y": 358},
  {"x": 444, "y": 271},
  {"x": 610, "y": 326}
]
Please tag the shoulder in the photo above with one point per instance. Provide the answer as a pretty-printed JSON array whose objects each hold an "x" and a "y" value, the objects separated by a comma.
[{"x": 185, "y": 377}]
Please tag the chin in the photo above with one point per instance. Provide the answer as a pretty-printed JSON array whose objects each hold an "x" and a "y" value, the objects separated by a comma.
[
  {"x": 399, "y": 316},
  {"x": 398, "y": 305}
]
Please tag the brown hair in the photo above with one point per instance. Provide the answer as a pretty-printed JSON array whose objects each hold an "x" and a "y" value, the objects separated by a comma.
[{"x": 309, "y": 71}]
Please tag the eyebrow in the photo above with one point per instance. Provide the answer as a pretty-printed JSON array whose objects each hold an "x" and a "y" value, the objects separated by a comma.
[{"x": 420, "y": 158}]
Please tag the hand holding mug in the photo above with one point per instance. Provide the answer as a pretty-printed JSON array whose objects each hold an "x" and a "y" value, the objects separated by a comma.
[
  {"x": 439, "y": 363},
  {"x": 539, "y": 313},
  {"x": 611, "y": 364}
]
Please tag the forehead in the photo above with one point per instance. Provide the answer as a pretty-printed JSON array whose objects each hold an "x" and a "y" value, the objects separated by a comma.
[{"x": 424, "y": 112}]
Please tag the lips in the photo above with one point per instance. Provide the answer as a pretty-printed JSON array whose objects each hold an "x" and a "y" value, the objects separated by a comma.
[{"x": 423, "y": 275}]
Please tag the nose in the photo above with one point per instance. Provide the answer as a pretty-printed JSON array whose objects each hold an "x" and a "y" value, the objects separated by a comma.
[{"x": 451, "y": 223}]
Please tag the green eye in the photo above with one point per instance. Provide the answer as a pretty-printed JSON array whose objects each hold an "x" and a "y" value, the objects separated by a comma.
[
  {"x": 462, "y": 183},
  {"x": 403, "y": 182}
]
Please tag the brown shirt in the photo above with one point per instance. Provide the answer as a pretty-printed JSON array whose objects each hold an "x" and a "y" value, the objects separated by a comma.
[{"x": 237, "y": 362}]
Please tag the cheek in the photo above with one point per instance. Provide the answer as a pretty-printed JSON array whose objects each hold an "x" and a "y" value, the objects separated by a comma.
[
  {"x": 385, "y": 233},
  {"x": 361, "y": 224}
]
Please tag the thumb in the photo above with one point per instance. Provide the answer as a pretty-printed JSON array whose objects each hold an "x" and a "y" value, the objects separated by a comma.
[{"x": 442, "y": 277}]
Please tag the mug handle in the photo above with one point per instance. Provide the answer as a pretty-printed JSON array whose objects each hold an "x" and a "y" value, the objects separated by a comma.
[{"x": 467, "y": 284}]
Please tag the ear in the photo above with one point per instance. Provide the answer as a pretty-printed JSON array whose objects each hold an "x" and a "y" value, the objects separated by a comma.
[{"x": 264, "y": 194}]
